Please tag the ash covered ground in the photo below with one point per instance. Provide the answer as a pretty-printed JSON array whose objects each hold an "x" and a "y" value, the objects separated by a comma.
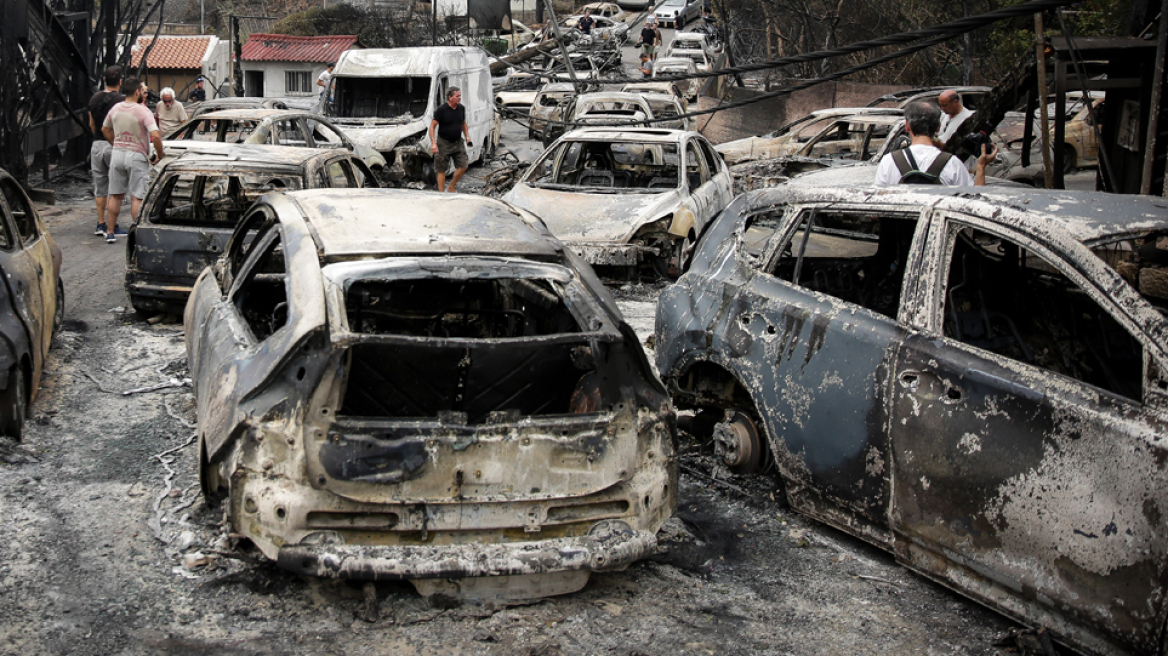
[{"x": 106, "y": 547}]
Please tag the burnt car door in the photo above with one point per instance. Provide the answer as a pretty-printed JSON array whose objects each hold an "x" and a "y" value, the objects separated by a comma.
[
  {"x": 1027, "y": 441},
  {"x": 28, "y": 268},
  {"x": 818, "y": 329},
  {"x": 248, "y": 319}
]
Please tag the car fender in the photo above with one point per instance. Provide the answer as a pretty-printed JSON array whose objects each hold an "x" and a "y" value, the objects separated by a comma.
[{"x": 683, "y": 221}]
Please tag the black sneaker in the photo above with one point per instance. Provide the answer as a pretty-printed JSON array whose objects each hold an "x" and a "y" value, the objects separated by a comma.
[{"x": 110, "y": 238}]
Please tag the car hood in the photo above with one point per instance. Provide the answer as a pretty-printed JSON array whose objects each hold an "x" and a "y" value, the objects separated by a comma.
[
  {"x": 756, "y": 148},
  {"x": 379, "y": 134},
  {"x": 588, "y": 217}
]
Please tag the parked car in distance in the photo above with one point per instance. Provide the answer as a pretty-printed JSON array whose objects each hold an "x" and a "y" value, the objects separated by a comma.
[
  {"x": 606, "y": 9},
  {"x": 543, "y": 107},
  {"x": 972, "y": 380},
  {"x": 680, "y": 66},
  {"x": 32, "y": 300},
  {"x": 196, "y": 109},
  {"x": 192, "y": 208},
  {"x": 789, "y": 138},
  {"x": 217, "y": 132},
  {"x": 604, "y": 29},
  {"x": 668, "y": 111},
  {"x": 676, "y": 13},
  {"x": 654, "y": 86},
  {"x": 515, "y": 102},
  {"x": 349, "y": 369},
  {"x": 690, "y": 41},
  {"x": 598, "y": 108},
  {"x": 633, "y": 197}
]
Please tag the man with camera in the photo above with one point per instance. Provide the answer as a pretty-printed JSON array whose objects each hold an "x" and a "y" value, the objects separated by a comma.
[{"x": 922, "y": 162}]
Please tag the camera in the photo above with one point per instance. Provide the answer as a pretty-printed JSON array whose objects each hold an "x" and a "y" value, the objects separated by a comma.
[{"x": 973, "y": 142}]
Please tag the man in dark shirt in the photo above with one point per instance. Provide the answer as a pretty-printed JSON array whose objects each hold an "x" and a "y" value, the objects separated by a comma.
[
  {"x": 100, "y": 151},
  {"x": 650, "y": 39},
  {"x": 586, "y": 22},
  {"x": 198, "y": 94},
  {"x": 450, "y": 120}
]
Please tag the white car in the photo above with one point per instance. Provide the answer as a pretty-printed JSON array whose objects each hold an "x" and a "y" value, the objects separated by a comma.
[
  {"x": 651, "y": 86},
  {"x": 599, "y": 108},
  {"x": 627, "y": 197},
  {"x": 680, "y": 66},
  {"x": 676, "y": 13},
  {"x": 669, "y": 106},
  {"x": 702, "y": 60},
  {"x": 607, "y": 10},
  {"x": 690, "y": 41}
]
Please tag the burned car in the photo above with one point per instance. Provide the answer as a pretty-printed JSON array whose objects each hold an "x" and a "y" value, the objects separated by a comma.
[
  {"x": 788, "y": 139},
  {"x": 217, "y": 132},
  {"x": 193, "y": 207},
  {"x": 627, "y": 197},
  {"x": 597, "y": 108},
  {"x": 544, "y": 106},
  {"x": 33, "y": 302},
  {"x": 451, "y": 398},
  {"x": 692, "y": 86},
  {"x": 972, "y": 379}
]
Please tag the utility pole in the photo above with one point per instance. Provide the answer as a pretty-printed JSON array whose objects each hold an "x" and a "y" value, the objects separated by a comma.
[{"x": 1040, "y": 53}]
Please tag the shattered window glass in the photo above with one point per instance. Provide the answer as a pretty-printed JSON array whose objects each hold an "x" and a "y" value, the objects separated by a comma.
[
  {"x": 197, "y": 198},
  {"x": 1006, "y": 299},
  {"x": 617, "y": 166},
  {"x": 858, "y": 257}
]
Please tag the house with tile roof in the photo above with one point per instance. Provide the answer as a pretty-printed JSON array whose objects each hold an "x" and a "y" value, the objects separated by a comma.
[
  {"x": 177, "y": 61},
  {"x": 278, "y": 65}
]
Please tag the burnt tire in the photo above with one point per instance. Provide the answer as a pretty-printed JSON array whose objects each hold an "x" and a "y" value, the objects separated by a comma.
[
  {"x": 738, "y": 443},
  {"x": 59, "y": 313},
  {"x": 14, "y": 405}
]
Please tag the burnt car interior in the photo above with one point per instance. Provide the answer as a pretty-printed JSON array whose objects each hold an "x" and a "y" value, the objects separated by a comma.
[
  {"x": 199, "y": 198},
  {"x": 612, "y": 165},
  {"x": 849, "y": 140},
  {"x": 382, "y": 97},
  {"x": 484, "y": 330},
  {"x": 221, "y": 130},
  {"x": 858, "y": 257},
  {"x": 21, "y": 213},
  {"x": 1006, "y": 299},
  {"x": 262, "y": 296}
]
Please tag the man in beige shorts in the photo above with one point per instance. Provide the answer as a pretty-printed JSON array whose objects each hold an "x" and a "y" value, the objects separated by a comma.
[
  {"x": 130, "y": 127},
  {"x": 450, "y": 121}
]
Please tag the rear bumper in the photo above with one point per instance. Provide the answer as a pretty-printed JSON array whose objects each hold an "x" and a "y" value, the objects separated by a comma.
[
  {"x": 610, "y": 545},
  {"x": 148, "y": 293}
]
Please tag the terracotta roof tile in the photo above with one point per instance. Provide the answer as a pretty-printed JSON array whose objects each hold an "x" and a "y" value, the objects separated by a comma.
[
  {"x": 172, "y": 51},
  {"x": 284, "y": 48}
]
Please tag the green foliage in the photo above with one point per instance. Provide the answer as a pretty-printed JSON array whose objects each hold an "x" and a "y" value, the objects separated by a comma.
[{"x": 375, "y": 30}]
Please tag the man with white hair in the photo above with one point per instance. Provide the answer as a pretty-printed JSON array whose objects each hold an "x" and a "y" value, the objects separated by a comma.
[{"x": 171, "y": 113}]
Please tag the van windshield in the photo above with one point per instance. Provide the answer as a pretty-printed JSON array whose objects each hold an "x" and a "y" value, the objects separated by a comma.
[{"x": 381, "y": 97}]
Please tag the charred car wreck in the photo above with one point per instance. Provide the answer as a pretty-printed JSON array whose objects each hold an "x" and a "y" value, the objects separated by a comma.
[
  {"x": 450, "y": 398},
  {"x": 974, "y": 380}
]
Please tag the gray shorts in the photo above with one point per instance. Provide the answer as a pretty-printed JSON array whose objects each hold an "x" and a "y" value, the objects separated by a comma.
[
  {"x": 129, "y": 172},
  {"x": 448, "y": 150},
  {"x": 99, "y": 163}
]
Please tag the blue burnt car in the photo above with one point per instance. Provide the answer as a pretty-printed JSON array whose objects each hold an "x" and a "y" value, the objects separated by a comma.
[{"x": 972, "y": 379}]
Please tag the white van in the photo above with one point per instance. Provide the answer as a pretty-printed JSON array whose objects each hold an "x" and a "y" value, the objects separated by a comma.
[{"x": 385, "y": 99}]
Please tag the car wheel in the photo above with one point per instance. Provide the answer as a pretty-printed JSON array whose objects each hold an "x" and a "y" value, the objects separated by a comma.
[
  {"x": 210, "y": 482},
  {"x": 14, "y": 405},
  {"x": 738, "y": 443},
  {"x": 59, "y": 314}
]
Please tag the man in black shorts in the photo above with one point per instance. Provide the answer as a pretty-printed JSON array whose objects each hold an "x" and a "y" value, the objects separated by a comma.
[{"x": 450, "y": 119}]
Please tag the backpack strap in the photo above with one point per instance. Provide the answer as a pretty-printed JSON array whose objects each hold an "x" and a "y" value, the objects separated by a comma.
[
  {"x": 904, "y": 161},
  {"x": 939, "y": 165}
]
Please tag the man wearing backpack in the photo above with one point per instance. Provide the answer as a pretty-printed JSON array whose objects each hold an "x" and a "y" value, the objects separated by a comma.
[{"x": 924, "y": 163}]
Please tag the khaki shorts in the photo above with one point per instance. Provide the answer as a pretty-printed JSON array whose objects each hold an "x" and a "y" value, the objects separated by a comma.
[
  {"x": 99, "y": 163},
  {"x": 129, "y": 172},
  {"x": 448, "y": 150},
  {"x": 648, "y": 49}
]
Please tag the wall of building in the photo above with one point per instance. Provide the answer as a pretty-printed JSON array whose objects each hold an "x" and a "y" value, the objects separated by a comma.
[
  {"x": 274, "y": 77},
  {"x": 767, "y": 115}
]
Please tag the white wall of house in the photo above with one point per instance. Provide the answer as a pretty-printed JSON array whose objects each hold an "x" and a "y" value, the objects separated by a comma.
[
  {"x": 276, "y": 78},
  {"x": 217, "y": 64}
]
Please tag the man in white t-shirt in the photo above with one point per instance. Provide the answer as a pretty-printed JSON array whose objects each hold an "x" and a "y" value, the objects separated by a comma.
[
  {"x": 921, "y": 120},
  {"x": 953, "y": 114},
  {"x": 324, "y": 78}
]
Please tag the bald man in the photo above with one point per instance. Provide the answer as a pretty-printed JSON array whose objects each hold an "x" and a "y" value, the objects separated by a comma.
[{"x": 953, "y": 114}]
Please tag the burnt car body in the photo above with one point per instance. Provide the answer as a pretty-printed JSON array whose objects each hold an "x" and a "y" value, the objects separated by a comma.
[
  {"x": 453, "y": 400},
  {"x": 32, "y": 302},
  {"x": 627, "y": 197},
  {"x": 971, "y": 379},
  {"x": 218, "y": 132},
  {"x": 192, "y": 208},
  {"x": 597, "y": 108}
]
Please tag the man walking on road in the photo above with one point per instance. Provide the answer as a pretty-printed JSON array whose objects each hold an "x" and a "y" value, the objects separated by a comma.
[
  {"x": 171, "y": 113},
  {"x": 650, "y": 39},
  {"x": 99, "y": 152},
  {"x": 450, "y": 120},
  {"x": 130, "y": 127}
]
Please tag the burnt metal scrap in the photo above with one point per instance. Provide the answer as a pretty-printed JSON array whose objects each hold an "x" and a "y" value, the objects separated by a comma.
[
  {"x": 972, "y": 380},
  {"x": 452, "y": 400}
]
